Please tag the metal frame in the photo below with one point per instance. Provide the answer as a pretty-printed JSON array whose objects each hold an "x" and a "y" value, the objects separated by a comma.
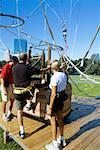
[{"x": 11, "y": 16}]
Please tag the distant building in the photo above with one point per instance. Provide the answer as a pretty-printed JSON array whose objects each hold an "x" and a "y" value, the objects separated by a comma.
[{"x": 20, "y": 45}]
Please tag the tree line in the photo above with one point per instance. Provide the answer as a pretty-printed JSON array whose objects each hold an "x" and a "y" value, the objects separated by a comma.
[{"x": 90, "y": 66}]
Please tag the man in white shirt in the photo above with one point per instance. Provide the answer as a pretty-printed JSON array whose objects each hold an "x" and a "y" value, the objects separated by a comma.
[{"x": 57, "y": 85}]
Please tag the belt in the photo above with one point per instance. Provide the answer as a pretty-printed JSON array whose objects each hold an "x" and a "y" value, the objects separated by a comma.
[
  {"x": 22, "y": 90},
  {"x": 60, "y": 93}
]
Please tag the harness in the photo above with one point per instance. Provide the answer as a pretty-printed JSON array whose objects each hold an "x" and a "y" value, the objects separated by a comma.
[{"x": 22, "y": 90}]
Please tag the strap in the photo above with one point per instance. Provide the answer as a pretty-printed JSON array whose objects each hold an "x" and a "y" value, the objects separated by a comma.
[{"x": 22, "y": 90}]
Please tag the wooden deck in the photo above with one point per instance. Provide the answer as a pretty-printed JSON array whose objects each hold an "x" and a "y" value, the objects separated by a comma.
[{"x": 82, "y": 128}]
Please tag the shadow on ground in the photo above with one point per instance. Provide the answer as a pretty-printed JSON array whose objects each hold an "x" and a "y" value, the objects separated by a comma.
[
  {"x": 90, "y": 125},
  {"x": 79, "y": 110}
]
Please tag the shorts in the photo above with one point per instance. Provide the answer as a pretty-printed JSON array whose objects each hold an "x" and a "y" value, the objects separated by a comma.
[
  {"x": 9, "y": 95},
  {"x": 20, "y": 100},
  {"x": 57, "y": 106},
  {"x": 20, "y": 104}
]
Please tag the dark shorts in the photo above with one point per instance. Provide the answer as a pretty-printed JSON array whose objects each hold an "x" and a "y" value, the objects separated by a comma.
[
  {"x": 57, "y": 106},
  {"x": 59, "y": 103},
  {"x": 20, "y": 100}
]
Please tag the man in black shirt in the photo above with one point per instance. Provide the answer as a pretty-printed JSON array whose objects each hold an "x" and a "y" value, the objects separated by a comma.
[{"x": 23, "y": 91}]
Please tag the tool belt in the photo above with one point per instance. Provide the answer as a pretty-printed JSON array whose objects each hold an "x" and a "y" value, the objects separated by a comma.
[{"x": 21, "y": 90}]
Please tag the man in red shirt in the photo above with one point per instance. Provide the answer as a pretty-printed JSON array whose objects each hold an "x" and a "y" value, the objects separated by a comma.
[{"x": 7, "y": 87}]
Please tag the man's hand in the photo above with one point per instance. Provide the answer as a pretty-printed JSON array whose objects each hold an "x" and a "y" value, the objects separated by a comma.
[
  {"x": 4, "y": 91},
  {"x": 48, "y": 67},
  {"x": 48, "y": 115}
]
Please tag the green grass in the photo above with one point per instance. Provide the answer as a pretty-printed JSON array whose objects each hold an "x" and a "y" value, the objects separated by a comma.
[
  {"x": 83, "y": 88},
  {"x": 11, "y": 145}
]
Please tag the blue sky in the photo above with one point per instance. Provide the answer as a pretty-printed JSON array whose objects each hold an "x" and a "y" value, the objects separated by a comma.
[{"x": 82, "y": 17}]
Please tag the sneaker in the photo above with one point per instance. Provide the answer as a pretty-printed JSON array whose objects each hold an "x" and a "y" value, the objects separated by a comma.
[
  {"x": 5, "y": 118},
  {"x": 28, "y": 108},
  {"x": 10, "y": 117},
  {"x": 51, "y": 146},
  {"x": 22, "y": 135},
  {"x": 61, "y": 142}
]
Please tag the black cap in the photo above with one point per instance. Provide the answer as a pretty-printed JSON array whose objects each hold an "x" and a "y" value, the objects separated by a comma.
[{"x": 14, "y": 59}]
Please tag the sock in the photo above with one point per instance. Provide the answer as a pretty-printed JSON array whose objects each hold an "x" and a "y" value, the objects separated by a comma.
[
  {"x": 55, "y": 143},
  {"x": 61, "y": 138},
  {"x": 21, "y": 129},
  {"x": 28, "y": 103},
  {"x": 4, "y": 114},
  {"x": 9, "y": 112}
]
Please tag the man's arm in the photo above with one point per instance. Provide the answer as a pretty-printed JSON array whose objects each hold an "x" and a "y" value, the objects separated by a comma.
[
  {"x": 45, "y": 69},
  {"x": 38, "y": 71}
]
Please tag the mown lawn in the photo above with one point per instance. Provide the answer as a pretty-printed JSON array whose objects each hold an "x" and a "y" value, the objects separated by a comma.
[
  {"x": 83, "y": 88},
  {"x": 11, "y": 145}
]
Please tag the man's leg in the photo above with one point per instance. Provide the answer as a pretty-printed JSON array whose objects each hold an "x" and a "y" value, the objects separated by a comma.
[
  {"x": 4, "y": 107},
  {"x": 54, "y": 128},
  {"x": 20, "y": 122},
  {"x": 19, "y": 107},
  {"x": 10, "y": 107},
  {"x": 4, "y": 103},
  {"x": 61, "y": 128},
  {"x": 20, "y": 117},
  {"x": 10, "y": 98},
  {"x": 61, "y": 123},
  {"x": 54, "y": 144}
]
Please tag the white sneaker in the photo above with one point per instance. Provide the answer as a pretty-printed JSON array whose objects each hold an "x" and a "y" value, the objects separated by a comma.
[
  {"x": 61, "y": 142},
  {"x": 5, "y": 118},
  {"x": 51, "y": 146}
]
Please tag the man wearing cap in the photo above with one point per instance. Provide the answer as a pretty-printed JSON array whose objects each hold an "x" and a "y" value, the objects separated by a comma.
[
  {"x": 57, "y": 85},
  {"x": 7, "y": 87}
]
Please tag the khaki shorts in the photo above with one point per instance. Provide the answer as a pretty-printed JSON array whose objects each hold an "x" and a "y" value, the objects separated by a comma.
[
  {"x": 20, "y": 104},
  {"x": 9, "y": 95}
]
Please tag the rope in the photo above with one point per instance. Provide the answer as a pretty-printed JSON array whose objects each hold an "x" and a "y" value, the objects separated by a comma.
[
  {"x": 82, "y": 61},
  {"x": 62, "y": 16},
  {"x": 70, "y": 13},
  {"x": 34, "y": 10},
  {"x": 64, "y": 30},
  {"x": 91, "y": 43},
  {"x": 80, "y": 72},
  {"x": 55, "y": 13},
  {"x": 3, "y": 45},
  {"x": 90, "y": 64},
  {"x": 47, "y": 23},
  {"x": 75, "y": 36},
  {"x": 27, "y": 35},
  {"x": 36, "y": 62},
  {"x": 79, "y": 88},
  {"x": 18, "y": 28}
]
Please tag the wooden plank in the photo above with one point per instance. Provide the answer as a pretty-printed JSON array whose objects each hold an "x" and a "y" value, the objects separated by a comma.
[
  {"x": 95, "y": 144},
  {"x": 73, "y": 128},
  {"x": 88, "y": 137}
]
